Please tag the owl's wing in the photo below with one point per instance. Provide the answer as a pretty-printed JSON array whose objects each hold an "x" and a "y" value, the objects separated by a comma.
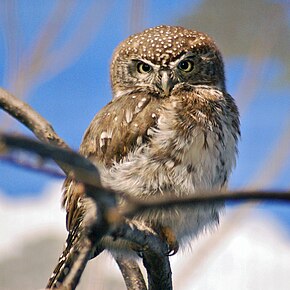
[{"x": 120, "y": 127}]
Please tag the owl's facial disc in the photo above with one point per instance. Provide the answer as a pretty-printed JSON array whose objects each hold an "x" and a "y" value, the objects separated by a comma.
[{"x": 155, "y": 76}]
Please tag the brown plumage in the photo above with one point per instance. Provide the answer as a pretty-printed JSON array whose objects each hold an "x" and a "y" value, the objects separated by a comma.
[{"x": 171, "y": 127}]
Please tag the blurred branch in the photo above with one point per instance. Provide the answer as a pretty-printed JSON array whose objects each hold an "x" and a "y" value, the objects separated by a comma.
[
  {"x": 12, "y": 36},
  {"x": 32, "y": 120},
  {"x": 137, "y": 15},
  {"x": 36, "y": 166},
  {"x": 192, "y": 267},
  {"x": 153, "y": 248},
  {"x": 31, "y": 64},
  {"x": 44, "y": 58},
  {"x": 71, "y": 162},
  {"x": 59, "y": 59},
  {"x": 272, "y": 166},
  {"x": 256, "y": 62},
  {"x": 84, "y": 171}
]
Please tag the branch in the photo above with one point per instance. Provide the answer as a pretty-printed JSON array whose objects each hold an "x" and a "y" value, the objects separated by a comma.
[
  {"x": 44, "y": 131},
  {"x": 84, "y": 171},
  {"x": 110, "y": 219},
  {"x": 36, "y": 166},
  {"x": 76, "y": 165},
  {"x": 167, "y": 202},
  {"x": 158, "y": 270},
  {"x": 132, "y": 275},
  {"x": 30, "y": 118}
]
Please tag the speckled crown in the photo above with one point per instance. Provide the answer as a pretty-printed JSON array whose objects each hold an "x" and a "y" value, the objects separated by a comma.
[{"x": 163, "y": 44}]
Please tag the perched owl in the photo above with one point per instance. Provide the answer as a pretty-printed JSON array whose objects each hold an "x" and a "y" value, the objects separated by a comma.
[{"x": 171, "y": 128}]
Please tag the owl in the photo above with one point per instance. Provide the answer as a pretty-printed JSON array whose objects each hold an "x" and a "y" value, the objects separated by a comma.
[{"x": 171, "y": 129}]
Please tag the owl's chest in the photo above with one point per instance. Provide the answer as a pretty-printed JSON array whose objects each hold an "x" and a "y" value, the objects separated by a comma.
[
  {"x": 191, "y": 151},
  {"x": 174, "y": 164},
  {"x": 192, "y": 147},
  {"x": 194, "y": 161}
]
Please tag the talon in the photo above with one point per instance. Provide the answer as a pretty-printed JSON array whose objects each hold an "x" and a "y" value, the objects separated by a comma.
[
  {"x": 170, "y": 239},
  {"x": 140, "y": 254},
  {"x": 138, "y": 250},
  {"x": 172, "y": 249}
]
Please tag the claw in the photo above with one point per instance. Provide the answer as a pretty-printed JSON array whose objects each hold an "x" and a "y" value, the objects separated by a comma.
[
  {"x": 140, "y": 254},
  {"x": 172, "y": 249},
  {"x": 170, "y": 239},
  {"x": 138, "y": 250}
]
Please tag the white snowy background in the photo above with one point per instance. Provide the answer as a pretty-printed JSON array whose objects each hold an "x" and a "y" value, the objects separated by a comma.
[{"x": 249, "y": 251}]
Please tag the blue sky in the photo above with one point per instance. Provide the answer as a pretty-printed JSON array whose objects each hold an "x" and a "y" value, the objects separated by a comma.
[{"x": 70, "y": 99}]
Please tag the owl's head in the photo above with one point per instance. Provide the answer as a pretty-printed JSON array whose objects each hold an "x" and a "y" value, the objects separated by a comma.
[{"x": 159, "y": 58}]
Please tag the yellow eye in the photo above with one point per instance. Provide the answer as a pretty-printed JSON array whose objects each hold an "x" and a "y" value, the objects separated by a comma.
[
  {"x": 143, "y": 68},
  {"x": 186, "y": 65}
]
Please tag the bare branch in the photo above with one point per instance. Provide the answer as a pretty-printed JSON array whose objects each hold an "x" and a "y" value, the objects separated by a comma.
[
  {"x": 149, "y": 243},
  {"x": 30, "y": 118},
  {"x": 131, "y": 273},
  {"x": 159, "y": 271},
  {"x": 44, "y": 131}
]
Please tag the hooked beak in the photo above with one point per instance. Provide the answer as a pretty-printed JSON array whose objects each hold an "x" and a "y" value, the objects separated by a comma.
[{"x": 166, "y": 82}]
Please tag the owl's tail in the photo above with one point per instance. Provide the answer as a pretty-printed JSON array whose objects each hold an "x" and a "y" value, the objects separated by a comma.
[{"x": 72, "y": 262}]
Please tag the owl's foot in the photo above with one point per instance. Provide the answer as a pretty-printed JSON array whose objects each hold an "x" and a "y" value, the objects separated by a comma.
[{"x": 170, "y": 238}]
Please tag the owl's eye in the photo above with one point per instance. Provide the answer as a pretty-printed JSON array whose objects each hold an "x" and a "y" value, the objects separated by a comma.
[
  {"x": 186, "y": 65},
  {"x": 143, "y": 68}
]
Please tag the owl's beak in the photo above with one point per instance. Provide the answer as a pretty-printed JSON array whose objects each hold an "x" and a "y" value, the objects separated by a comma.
[{"x": 166, "y": 82}]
